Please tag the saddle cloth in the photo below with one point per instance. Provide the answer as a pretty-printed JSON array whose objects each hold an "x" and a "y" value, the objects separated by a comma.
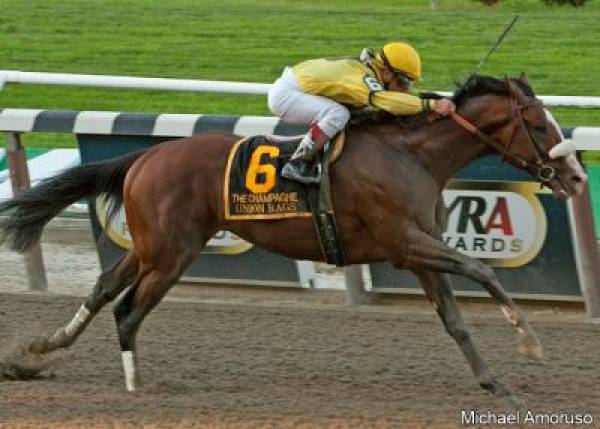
[{"x": 253, "y": 188}]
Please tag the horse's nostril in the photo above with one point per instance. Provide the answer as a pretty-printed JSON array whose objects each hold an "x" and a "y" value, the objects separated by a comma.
[{"x": 579, "y": 179}]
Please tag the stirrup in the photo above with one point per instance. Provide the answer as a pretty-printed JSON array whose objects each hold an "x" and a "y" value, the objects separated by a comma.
[
  {"x": 293, "y": 171},
  {"x": 305, "y": 150}
]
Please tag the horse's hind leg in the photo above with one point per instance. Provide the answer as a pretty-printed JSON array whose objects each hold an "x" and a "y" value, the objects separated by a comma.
[
  {"x": 425, "y": 252},
  {"x": 438, "y": 291},
  {"x": 109, "y": 284},
  {"x": 129, "y": 313}
]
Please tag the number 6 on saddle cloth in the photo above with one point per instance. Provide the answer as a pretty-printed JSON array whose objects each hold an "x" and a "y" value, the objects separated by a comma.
[{"x": 253, "y": 188}]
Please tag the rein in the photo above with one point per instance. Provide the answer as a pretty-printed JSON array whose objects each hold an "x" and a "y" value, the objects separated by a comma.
[
  {"x": 488, "y": 140},
  {"x": 542, "y": 171}
]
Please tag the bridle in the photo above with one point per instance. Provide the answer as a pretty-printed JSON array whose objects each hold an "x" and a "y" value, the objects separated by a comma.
[{"x": 538, "y": 167}]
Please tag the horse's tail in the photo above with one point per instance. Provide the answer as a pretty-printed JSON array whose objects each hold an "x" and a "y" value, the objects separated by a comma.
[{"x": 24, "y": 217}]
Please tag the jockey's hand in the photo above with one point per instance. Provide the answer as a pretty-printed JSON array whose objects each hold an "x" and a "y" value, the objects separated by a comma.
[{"x": 444, "y": 106}]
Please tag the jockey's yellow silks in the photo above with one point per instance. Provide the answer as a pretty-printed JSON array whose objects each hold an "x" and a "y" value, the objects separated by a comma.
[{"x": 351, "y": 82}]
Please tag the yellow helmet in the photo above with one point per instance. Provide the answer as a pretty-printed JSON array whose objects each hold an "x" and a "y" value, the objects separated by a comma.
[{"x": 401, "y": 57}]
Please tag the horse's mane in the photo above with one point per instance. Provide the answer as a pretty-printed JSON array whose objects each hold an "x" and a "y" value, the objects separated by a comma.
[{"x": 475, "y": 86}]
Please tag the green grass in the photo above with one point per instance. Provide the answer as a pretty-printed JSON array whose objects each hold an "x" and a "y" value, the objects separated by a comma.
[{"x": 251, "y": 40}]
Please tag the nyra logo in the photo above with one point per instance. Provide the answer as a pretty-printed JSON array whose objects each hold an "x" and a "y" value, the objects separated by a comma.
[{"x": 501, "y": 222}]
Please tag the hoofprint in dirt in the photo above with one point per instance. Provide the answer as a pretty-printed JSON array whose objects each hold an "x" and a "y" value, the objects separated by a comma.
[{"x": 239, "y": 365}]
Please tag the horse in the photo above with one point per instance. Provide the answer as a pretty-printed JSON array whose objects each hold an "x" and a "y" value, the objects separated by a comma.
[{"x": 386, "y": 191}]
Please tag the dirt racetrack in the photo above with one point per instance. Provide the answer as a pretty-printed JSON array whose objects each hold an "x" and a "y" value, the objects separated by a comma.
[
  {"x": 245, "y": 358},
  {"x": 232, "y": 359}
]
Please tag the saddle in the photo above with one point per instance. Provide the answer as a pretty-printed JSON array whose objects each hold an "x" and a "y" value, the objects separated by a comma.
[
  {"x": 254, "y": 189},
  {"x": 319, "y": 198}
]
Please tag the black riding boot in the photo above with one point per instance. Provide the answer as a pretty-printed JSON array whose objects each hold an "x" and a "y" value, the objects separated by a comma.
[{"x": 303, "y": 166}]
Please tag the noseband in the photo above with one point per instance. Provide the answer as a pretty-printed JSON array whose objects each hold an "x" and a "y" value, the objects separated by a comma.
[{"x": 539, "y": 167}]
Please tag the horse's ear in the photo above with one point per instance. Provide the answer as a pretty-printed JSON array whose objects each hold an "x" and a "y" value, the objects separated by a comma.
[
  {"x": 512, "y": 88},
  {"x": 523, "y": 78}
]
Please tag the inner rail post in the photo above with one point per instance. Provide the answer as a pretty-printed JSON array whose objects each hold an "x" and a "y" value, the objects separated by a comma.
[
  {"x": 19, "y": 176},
  {"x": 588, "y": 259}
]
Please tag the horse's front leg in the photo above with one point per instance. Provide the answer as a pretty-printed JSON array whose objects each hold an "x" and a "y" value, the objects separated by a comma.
[
  {"x": 427, "y": 253},
  {"x": 437, "y": 288},
  {"x": 528, "y": 343}
]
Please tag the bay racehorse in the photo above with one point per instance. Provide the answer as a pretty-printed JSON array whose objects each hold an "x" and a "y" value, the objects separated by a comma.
[{"x": 386, "y": 192}]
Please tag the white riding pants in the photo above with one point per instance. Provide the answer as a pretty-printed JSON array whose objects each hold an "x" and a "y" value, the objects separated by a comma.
[{"x": 287, "y": 100}]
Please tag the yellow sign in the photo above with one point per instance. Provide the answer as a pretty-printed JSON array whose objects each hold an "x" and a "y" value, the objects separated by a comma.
[{"x": 223, "y": 243}]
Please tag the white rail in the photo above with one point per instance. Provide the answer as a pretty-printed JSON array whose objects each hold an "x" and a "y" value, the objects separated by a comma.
[
  {"x": 579, "y": 101},
  {"x": 166, "y": 84},
  {"x": 148, "y": 83}
]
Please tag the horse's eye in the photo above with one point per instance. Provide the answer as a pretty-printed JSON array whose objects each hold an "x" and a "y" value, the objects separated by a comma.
[{"x": 538, "y": 134}]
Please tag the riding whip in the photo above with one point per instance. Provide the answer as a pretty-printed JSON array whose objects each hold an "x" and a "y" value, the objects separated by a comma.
[{"x": 492, "y": 49}]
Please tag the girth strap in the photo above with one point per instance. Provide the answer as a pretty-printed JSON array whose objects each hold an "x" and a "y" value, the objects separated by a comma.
[{"x": 321, "y": 206}]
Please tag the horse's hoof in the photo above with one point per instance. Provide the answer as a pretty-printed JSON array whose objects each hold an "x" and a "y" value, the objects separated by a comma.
[
  {"x": 531, "y": 347},
  {"x": 37, "y": 346},
  {"x": 21, "y": 364},
  {"x": 517, "y": 404},
  {"x": 132, "y": 384}
]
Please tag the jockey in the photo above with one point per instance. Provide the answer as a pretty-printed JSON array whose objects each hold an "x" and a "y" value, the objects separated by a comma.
[{"x": 315, "y": 92}]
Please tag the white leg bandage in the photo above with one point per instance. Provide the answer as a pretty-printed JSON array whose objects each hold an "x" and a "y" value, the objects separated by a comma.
[
  {"x": 79, "y": 319},
  {"x": 129, "y": 370}
]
